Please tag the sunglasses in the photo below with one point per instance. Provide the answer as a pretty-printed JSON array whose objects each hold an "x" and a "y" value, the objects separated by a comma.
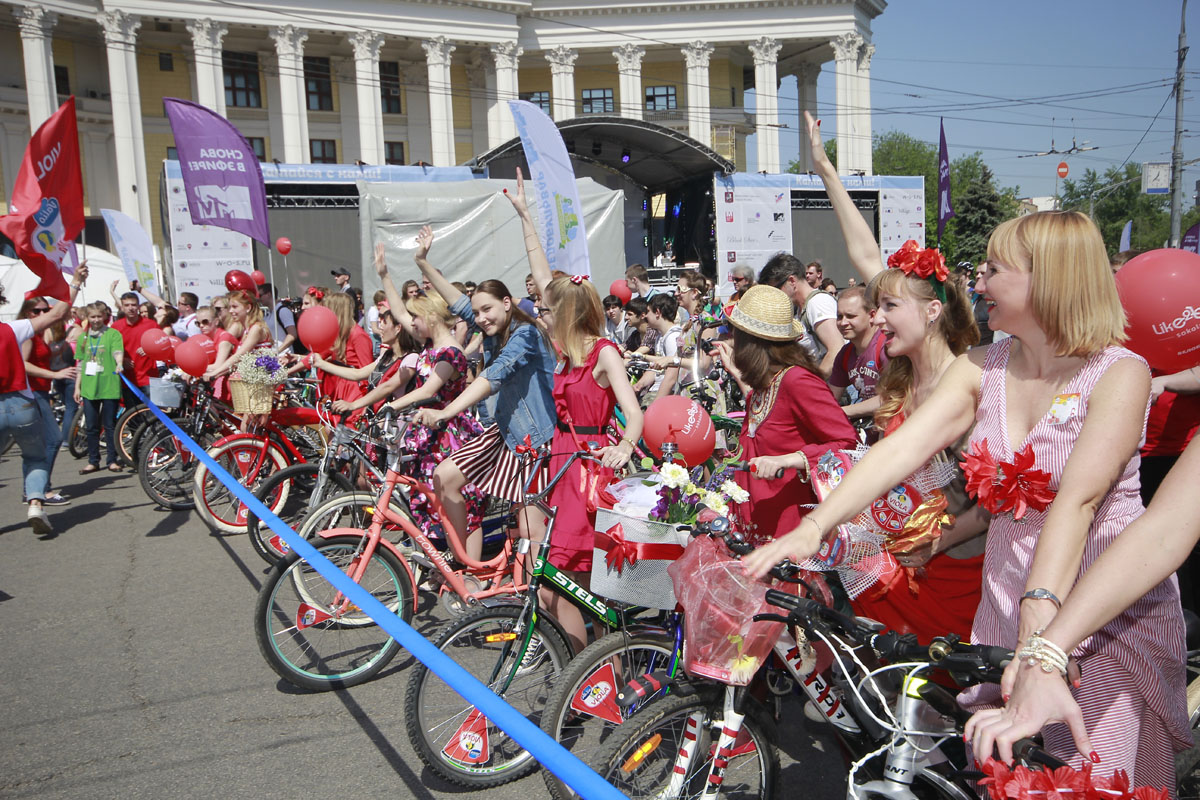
[
  {"x": 38, "y": 310},
  {"x": 736, "y": 279},
  {"x": 204, "y": 322}
]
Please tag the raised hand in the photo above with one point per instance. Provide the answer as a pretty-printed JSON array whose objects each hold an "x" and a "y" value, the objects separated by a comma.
[
  {"x": 424, "y": 242},
  {"x": 380, "y": 261},
  {"x": 518, "y": 198},
  {"x": 819, "y": 156}
]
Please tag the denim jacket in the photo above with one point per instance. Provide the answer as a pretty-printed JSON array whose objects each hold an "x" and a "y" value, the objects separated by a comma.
[{"x": 521, "y": 375}]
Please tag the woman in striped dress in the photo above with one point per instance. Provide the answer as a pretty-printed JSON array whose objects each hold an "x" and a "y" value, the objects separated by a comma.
[{"x": 1059, "y": 411}]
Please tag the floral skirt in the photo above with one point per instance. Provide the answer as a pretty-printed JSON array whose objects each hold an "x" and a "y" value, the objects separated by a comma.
[{"x": 432, "y": 447}]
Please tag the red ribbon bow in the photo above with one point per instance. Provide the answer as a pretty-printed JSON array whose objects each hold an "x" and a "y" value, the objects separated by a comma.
[
  {"x": 619, "y": 552},
  {"x": 577, "y": 280},
  {"x": 525, "y": 447},
  {"x": 315, "y": 292}
]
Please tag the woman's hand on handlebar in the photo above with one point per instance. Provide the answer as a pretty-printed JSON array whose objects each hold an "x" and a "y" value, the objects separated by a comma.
[
  {"x": 430, "y": 417},
  {"x": 615, "y": 456},
  {"x": 798, "y": 545},
  {"x": 1038, "y": 698},
  {"x": 342, "y": 406},
  {"x": 767, "y": 467}
]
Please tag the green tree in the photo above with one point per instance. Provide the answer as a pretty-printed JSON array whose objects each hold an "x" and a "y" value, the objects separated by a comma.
[{"x": 1115, "y": 198}]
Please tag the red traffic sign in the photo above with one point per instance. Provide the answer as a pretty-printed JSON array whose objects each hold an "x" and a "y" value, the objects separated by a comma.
[{"x": 1062, "y": 169}]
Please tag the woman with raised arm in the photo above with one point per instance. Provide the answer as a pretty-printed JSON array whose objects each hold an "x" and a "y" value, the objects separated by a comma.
[
  {"x": 590, "y": 382},
  {"x": 1059, "y": 409},
  {"x": 519, "y": 372}
]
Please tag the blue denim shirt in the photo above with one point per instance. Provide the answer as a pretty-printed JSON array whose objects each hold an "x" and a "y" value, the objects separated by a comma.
[{"x": 521, "y": 375}]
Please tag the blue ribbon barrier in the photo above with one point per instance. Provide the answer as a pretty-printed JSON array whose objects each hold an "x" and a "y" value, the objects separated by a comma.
[{"x": 549, "y": 753}]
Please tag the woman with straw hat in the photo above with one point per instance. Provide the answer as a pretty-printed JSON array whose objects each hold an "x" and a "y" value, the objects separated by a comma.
[{"x": 791, "y": 416}]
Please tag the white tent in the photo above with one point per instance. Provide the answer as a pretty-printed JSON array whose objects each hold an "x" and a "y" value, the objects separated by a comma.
[{"x": 103, "y": 269}]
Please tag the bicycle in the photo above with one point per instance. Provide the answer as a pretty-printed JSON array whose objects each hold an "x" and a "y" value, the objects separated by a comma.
[
  {"x": 517, "y": 650},
  {"x": 708, "y": 738},
  {"x": 320, "y": 657}
]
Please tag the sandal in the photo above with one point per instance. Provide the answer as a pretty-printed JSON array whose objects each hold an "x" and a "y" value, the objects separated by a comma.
[
  {"x": 89, "y": 469},
  {"x": 115, "y": 468}
]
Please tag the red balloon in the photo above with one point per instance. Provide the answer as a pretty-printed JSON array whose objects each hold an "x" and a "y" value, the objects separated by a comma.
[
  {"x": 684, "y": 422},
  {"x": 621, "y": 289},
  {"x": 283, "y": 245},
  {"x": 318, "y": 328},
  {"x": 258, "y": 277},
  {"x": 191, "y": 357},
  {"x": 237, "y": 280},
  {"x": 207, "y": 344},
  {"x": 173, "y": 341},
  {"x": 1161, "y": 294},
  {"x": 156, "y": 344}
]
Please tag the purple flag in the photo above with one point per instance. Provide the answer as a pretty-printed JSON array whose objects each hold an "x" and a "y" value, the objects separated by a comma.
[
  {"x": 221, "y": 175},
  {"x": 945, "y": 211},
  {"x": 1191, "y": 239}
]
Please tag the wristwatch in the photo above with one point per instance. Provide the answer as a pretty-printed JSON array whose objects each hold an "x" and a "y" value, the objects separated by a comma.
[
  {"x": 675, "y": 362},
  {"x": 1042, "y": 594}
]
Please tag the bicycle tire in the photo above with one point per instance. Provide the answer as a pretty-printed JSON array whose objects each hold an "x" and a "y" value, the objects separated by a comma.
[
  {"x": 128, "y": 424},
  {"x": 166, "y": 471},
  {"x": 217, "y": 506},
  {"x": 77, "y": 436},
  {"x": 442, "y": 724},
  {"x": 341, "y": 650},
  {"x": 584, "y": 732},
  {"x": 298, "y": 502},
  {"x": 640, "y": 760}
]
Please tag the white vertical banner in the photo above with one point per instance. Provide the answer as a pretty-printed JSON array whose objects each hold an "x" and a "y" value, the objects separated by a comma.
[
  {"x": 132, "y": 245},
  {"x": 555, "y": 199}
]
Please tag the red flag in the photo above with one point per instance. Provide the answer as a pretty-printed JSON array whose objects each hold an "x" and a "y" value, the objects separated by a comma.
[{"x": 46, "y": 212}]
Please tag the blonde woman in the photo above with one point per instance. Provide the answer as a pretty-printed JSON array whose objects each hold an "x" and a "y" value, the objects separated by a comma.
[
  {"x": 352, "y": 349},
  {"x": 1058, "y": 411}
]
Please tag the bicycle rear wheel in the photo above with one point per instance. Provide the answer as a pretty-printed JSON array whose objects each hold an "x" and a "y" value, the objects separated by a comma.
[
  {"x": 582, "y": 714},
  {"x": 292, "y": 493},
  {"x": 311, "y": 636},
  {"x": 644, "y": 754},
  {"x": 166, "y": 470},
  {"x": 77, "y": 436},
  {"x": 128, "y": 424},
  {"x": 449, "y": 734},
  {"x": 242, "y": 458}
]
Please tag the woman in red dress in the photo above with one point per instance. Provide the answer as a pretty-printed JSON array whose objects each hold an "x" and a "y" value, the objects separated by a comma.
[{"x": 352, "y": 348}]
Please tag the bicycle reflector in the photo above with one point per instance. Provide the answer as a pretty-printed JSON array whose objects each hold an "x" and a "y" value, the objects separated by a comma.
[
  {"x": 500, "y": 637},
  {"x": 640, "y": 754}
]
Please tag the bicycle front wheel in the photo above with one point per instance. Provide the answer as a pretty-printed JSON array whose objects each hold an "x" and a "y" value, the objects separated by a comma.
[
  {"x": 244, "y": 459},
  {"x": 449, "y": 734},
  {"x": 311, "y": 635},
  {"x": 128, "y": 424},
  {"x": 582, "y": 712},
  {"x": 166, "y": 469},
  {"x": 77, "y": 436},
  {"x": 292, "y": 493},
  {"x": 668, "y": 750}
]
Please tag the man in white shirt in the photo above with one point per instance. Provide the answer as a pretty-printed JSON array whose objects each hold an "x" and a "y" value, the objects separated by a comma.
[
  {"x": 670, "y": 372},
  {"x": 188, "y": 303},
  {"x": 280, "y": 320},
  {"x": 817, "y": 310}
]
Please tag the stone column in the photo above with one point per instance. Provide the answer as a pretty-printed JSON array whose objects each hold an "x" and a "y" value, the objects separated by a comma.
[
  {"x": 766, "y": 102},
  {"x": 629, "y": 66},
  {"x": 366, "y": 46},
  {"x": 120, "y": 39},
  {"x": 845, "y": 51},
  {"x": 501, "y": 127},
  {"x": 41, "y": 95},
  {"x": 293, "y": 103},
  {"x": 699, "y": 103},
  {"x": 441, "y": 109},
  {"x": 481, "y": 83},
  {"x": 806, "y": 93},
  {"x": 862, "y": 106},
  {"x": 416, "y": 96},
  {"x": 207, "y": 39},
  {"x": 562, "y": 81}
]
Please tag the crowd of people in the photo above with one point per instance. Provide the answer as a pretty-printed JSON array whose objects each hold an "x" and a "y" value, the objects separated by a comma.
[{"x": 1008, "y": 376}]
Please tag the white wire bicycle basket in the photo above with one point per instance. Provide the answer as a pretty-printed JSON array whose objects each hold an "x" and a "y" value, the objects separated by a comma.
[{"x": 630, "y": 557}]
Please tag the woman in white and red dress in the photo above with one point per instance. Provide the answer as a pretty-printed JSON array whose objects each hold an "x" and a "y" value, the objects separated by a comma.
[{"x": 1059, "y": 410}]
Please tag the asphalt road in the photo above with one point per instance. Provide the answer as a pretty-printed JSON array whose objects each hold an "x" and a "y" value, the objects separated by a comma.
[{"x": 129, "y": 670}]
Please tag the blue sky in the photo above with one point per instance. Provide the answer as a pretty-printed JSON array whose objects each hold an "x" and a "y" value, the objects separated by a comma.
[{"x": 933, "y": 57}]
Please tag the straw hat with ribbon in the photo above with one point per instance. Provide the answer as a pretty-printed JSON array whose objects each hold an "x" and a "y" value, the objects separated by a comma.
[{"x": 766, "y": 312}]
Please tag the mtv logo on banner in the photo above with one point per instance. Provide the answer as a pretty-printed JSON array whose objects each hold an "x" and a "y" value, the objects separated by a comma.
[{"x": 223, "y": 202}]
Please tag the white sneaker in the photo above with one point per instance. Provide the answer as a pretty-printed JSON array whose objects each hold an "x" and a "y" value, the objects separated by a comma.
[{"x": 39, "y": 521}]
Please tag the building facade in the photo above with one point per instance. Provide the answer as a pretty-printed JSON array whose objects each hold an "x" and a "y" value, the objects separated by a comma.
[{"x": 378, "y": 81}]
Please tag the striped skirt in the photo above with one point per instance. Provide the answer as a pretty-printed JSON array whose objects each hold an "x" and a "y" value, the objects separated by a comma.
[{"x": 495, "y": 470}]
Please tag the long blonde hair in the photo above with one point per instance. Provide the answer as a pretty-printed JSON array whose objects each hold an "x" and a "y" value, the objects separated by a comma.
[
  {"x": 1073, "y": 295},
  {"x": 342, "y": 305},
  {"x": 578, "y": 317},
  {"x": 955, "y": 325},
  {"x": 431, "y": 308}
]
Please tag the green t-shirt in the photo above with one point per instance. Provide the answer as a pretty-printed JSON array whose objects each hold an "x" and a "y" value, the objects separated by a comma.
[{"x": 103, "y": 383}]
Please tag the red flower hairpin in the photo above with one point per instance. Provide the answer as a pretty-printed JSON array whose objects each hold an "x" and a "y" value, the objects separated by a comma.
[
  {"x": 577, "y": 280},
  {"x": 926, "y": 263},
  {"x": 315, "y": 292},
  {"x": 1001, "y": 486}
]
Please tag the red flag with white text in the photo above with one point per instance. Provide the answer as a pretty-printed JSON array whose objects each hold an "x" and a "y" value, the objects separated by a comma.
[{"x": 46, "y": 211}]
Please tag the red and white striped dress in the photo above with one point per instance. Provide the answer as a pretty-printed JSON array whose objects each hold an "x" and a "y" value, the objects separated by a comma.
[{"x": 1133, "y": 685}]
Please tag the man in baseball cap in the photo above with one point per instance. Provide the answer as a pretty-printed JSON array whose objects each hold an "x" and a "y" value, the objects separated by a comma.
[{"x": 341, "y": 276}]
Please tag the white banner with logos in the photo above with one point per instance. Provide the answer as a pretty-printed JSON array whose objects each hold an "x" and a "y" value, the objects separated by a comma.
[{"x": 200, "y": 254}]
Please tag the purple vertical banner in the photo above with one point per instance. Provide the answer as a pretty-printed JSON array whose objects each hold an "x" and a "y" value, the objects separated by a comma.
[
  {"x": 945, "y": 210},
  {"x": 1191, "y": 239},
  {"x": 221, "y": 174}
]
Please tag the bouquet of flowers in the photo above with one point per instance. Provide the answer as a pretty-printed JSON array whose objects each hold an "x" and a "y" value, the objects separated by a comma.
[
  {"x": 261, "y": 368},
  {"x": 680, "y": 500}
]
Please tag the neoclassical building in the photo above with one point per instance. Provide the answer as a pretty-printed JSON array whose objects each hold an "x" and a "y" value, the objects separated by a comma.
[{"x": 405, "y": 81}]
